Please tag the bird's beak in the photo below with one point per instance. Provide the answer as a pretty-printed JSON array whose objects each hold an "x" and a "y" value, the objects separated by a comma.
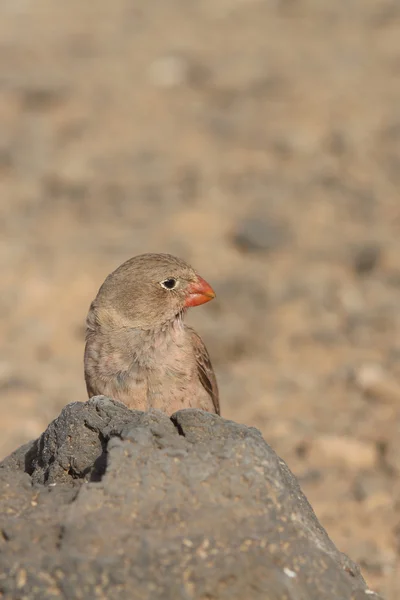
[{"x": 199, "y": 292}]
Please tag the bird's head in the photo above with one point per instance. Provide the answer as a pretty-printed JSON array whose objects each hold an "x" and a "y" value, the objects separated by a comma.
[{"x": 149, "y": 291}]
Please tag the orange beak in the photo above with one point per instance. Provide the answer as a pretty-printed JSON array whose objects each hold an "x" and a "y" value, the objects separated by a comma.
[{"x": 199, "y": 292}]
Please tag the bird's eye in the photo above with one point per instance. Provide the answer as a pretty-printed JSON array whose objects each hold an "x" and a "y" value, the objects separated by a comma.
[{"x": 169, "y": 284}]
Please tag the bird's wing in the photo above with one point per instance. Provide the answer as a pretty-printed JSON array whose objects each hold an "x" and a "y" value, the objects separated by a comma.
[{"x": 204, "y": 369}]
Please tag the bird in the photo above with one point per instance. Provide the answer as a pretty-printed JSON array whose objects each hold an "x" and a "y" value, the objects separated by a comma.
[{"x": 138, "y": 349}]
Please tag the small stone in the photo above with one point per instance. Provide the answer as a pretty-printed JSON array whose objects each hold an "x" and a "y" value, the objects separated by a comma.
[
  {"x": 168, "y": 71},
  {"x": 289, "y": 573},
  {"x": 40, "y": 92},
  {"x": 173, "y": 70},
  {"x": 369, "y": 375},
  {"x": 376, "y": 383},
  {"x": 343, "y": 451},
  {"x": 366, "y": 258},
  {"x": 261, "y": 235}
]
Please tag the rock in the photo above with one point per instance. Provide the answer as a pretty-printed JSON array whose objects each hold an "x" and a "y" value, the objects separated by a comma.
[
  {"x": 341, "y": 450},
  {"x": 365, "y": 258},
  {"x": 113, "y": 503},
  {"x": 376, "y": 383},
  {"x": 174, "y": 70},
  {"x": 261, "y": 235}
]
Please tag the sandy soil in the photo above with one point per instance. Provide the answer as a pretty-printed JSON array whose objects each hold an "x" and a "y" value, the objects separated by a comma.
[{"x": 258, "y": 139}]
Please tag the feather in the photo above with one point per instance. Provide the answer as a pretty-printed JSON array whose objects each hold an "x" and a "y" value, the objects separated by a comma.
[{"x": 204, "y": 368}]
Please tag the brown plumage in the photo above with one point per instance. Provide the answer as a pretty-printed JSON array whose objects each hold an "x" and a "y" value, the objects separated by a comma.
[{"x": 138, "y": 350}]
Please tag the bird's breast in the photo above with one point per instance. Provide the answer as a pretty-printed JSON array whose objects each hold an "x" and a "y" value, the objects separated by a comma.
[{"x": 143, "y": 369}]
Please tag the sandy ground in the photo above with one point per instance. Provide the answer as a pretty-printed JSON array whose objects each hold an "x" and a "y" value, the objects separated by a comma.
[{"x": 258, "y": 139}]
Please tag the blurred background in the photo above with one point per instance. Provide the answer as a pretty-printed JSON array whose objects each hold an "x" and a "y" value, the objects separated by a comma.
[{"x": 260, "y": 141}]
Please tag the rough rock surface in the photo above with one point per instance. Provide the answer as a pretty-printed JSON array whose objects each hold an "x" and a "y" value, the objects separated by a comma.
[{"x": 113, "y": 503}]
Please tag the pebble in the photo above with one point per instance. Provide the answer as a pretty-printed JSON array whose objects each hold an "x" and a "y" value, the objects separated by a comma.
[
  {"x": 168, "y": 71},
  {"x": 375, "y": 382},
  {"x": 261, "y": 235},
  {"x": 369, "y": 375},
  {"x": 366, "y": 258},
  {"x": 174, "y": 70},
  {"x": 343, "y": 451}
]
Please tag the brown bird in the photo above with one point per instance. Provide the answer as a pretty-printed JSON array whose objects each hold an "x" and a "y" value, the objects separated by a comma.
[{"x": 138, "y": 350}]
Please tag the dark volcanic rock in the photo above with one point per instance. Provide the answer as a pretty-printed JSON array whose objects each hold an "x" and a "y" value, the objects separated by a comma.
[{"x": 112, "y": 503}]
